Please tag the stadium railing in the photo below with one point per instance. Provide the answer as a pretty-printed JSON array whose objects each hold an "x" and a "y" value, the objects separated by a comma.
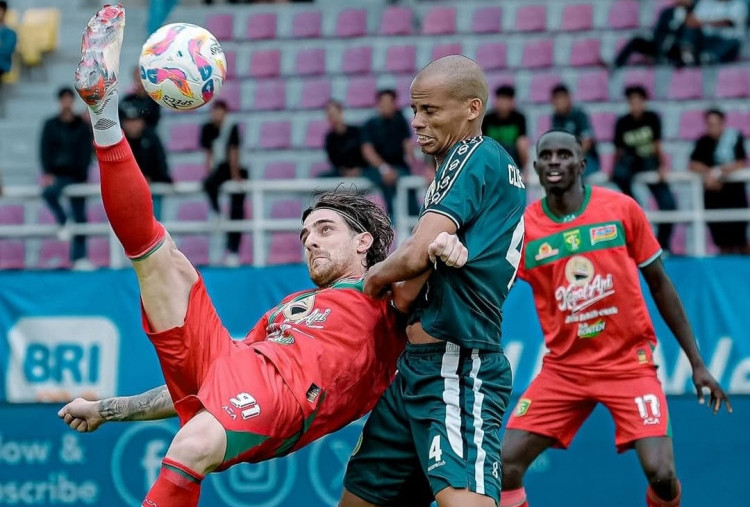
[{"x": 260, "y": 191}]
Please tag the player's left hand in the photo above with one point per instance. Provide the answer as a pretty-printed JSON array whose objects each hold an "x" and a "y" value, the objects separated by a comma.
[
  {"x": 448, "y": 249},
  {"x": 703, "y": 379}
]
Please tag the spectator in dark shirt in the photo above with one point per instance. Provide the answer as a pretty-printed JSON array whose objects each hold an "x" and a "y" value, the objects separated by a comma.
[
  {"x": 65, "y": 152},
  {"x": 147, "y": 148},
  {"x": 220, "y": 141},
  {"x": 718, "y": 153},
  {"x": 506, "y": 125},
  {"x": 638, "y": 149},
  {"x": 146, "y": 106},
  {"x": 574, "y": 120},
  {"x": 343, "y": 145},
  {"x": 386, "y": 145}
]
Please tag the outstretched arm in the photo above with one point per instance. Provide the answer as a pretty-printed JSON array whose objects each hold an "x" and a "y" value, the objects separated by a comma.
[{"x": 86, "y": 416}]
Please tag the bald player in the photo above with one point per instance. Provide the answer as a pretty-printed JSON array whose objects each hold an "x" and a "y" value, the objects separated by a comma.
[{"x": 436, "y": 430}]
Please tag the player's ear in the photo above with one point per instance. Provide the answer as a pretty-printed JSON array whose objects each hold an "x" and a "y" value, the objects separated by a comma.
[
  {"x": 476, "y": 108},
  {"x": 364, "y": 242}
]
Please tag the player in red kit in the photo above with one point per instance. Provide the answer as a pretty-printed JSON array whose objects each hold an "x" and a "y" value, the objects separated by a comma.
[{"x": 584, "y": 247}]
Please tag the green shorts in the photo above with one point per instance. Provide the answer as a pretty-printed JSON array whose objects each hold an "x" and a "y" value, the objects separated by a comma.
[{"x": 437, "y": 426}]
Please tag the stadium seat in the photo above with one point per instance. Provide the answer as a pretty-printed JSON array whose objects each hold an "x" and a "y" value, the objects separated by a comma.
[
  {"x": 184, "y": 137},
  {"x": 607, "y": 162},
  {"x": 541, "y": 86},
  {"x": 195, "y": 248},
  {"x": 585, "y": 52},
  {"x": 577, "y": 17},
  {"x": 53, "y": 254},
  {"x": 317, "y": 92},
  {"x": 11, "y": 214},
  {"x": 261, "y": 26},
  {"x": 403, "y": 85},
  {"x": 531, "y": 18},
  {"x": 441, "y": 50},
  {"x": 592, "y": 86},
  {"x": 310, "y": 62},
  {"x": 739, "y": 120},
  {"x": 246, "y": 249},
  {"x": 44, "y": 216},
  {"x": 492, "y": 55},
  {"x": 230, "y": 91},
  {"x": 686, "y": 84},
  {"x": 276, "y": 135},
  {"x": 543, "y": 124},
  {"x": 46, "y": 24},
  {"x": 361, "y": 92},
  {"x": 280, "y": 170},
  {"x": 396, "y": 21},
  {"x": 495, "y": 79},
  {"x": 691, "y": 125},
  {"x": 285, "y": 248},
  {"x": 401, "y": 59},
  {"x": 189, "y": 172},
  {"x": 194, "y": 210},
  {"x": 318, "y": 168},
  {"x": 270, "y": 95},
  {"x": 307, "y": 25},
  {"x": 440, "y": 20},
  {"x": 12, "y": 254},
  {"x": 604, "y": 126},
  {"x": 98, "y": 251},
  {"x": 265, "y": 63},
  {"x": 624, "y": 14},
  {"x": 287, "y": 208},
  {"x": 487, "y": 20},
  {"x": 95, "y": 213},
  {"x": 221, "y": 26},
  {"x": 538, "y": 53},
  {"x": 231, "y": 57},
  {"x": 315, "y": 133},
  {"x": 642, "y": 77},
  {"x": 357, "y": 60},
  {"x": 733, "y": 82},
  {"x": 351, "y": 23}
]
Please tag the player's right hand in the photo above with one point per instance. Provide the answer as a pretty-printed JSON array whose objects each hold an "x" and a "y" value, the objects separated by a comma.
[
  {"x": 448, "y": 249},
  {"x": 82, "y": 415}
]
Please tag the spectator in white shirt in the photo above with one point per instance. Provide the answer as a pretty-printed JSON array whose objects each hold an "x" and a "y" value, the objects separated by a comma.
[{"x": 715, "y": 31}]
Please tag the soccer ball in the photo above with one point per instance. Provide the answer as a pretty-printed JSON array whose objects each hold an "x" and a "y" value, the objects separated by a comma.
[{"x": 182, "y": 66}]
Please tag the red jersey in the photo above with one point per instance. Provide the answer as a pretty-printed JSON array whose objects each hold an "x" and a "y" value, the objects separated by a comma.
[
  {"x": 583, "y": 269},
  {"x": 336, "y": 349}
]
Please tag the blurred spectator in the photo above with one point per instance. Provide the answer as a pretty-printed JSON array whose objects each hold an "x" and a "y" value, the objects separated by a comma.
[
  {"x": 506, "y": 125},
  {"x": 574, "y": 120},
  {"x": 147, "y": 148},
  {"x": 220, "y": 141},
  {"x": 65, "y": 151},
  {"x": 638, "y": 145},
  {"x": 663, "y": 44},
  {"x": 344, "y": 146},
  {"x": 386, "y": 145},
  {"x": 715, "y": 31},
  {"x": 146, "y": 106},
  {"x": 718, "y": 153}
]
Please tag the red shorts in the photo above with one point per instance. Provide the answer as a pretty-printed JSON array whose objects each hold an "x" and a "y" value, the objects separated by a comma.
[
  {"x": 556, "y": 404},
  {"x": 205, "y": 368}
]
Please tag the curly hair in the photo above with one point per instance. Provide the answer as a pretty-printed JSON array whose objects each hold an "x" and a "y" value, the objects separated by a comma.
[{"x": 361, "y": 215}]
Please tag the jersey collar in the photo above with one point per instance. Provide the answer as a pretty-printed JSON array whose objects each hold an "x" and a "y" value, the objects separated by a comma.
[{"x": 571, "y": 216}]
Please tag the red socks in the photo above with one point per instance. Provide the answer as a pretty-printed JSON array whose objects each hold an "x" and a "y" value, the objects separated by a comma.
[
  {"x": 514, "y": 498},
  {"x": 652, "y": 500},
  {"x": 176, "y": 486},
  {"x": 127, "y": 200}
]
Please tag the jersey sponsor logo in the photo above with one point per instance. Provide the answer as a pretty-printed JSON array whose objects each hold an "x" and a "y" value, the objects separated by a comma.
[
  {"x": 585, "y": 287},
  {"x": 279, "y": 333},
  {"x": 603, "y": 233},
  {"x": 586, "y": 330},
  {"x": 522, "y": 407},
  {"x": 582, "y": 317},
  {"x": 545, "y": 252},
  {"x": 313, "y": 393},
  {"x": 514, "y": 176},
  {"x": 573, "y": 239}
]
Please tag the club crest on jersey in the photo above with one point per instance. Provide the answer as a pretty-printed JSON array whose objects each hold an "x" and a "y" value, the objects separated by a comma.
[
  {"x": 546, "y": 251},
  {"x": 573, "y": 239},
  {"x": 603, "y": 233},
  {"x": 298, "y": 310},
  {"x": 522, "y": 407}
]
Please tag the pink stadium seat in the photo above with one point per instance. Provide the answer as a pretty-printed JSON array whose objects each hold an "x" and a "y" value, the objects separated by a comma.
[
  {"x": 624, "y": 14},
  {"x": 440, "y": 20},
  {"x": 357, "y": 60},
  {"x": 231, "y": 57},
  {"x": 94, "y": 175},
  {"x": 538, "y": 53},
  {"x": 531, "y": 18},
  {"x": 98, "y": 251},
  {"x": 643, "y": 77},
  {"x": 276, "y": 135},
  {"x": 310, "y": 62},
  {"x": 12, "y": 254},
  {"x": 592, "y": 86},
  {"x": 487, "y": 20},
  {"x": 691, "y": 125},
  {"x": 11, "y": 214},
  {"x": 306, "y": 25},
  {"x": 739, "y": 120},
  {"x": 441, "y": 50},
  {"x": 261, "y": 26},
  {"x": 44, "y": 216},
  {"x": 195, "y": 249},
  {"x": 315, "y": 133},
  {"x": 607, "y": 162},
  {"x": 184, "y": 137},
  {"x": 492, "y": 55},
  {"x": 403, "y": 84},
  {"x": 543, "y": 124},
  {"x": 189, "y": 172},
  {"x": 285, "y": 248},
  {"x": 686, "y": 84},
  {"x": 280, "y": 171},
  {"x": 287, "y": 208},
  {"x": 396, "y": 21},
  {"x": 95, "y": 213},
  {"x": 361, "y": 92},
  {"x": 193, "y": 211},
  {"x": 604, "y": 126},
  {"x": 733, "y": 82},
  {"x": 54, "y": 254},
  {"x": 585, "y": 52},
  {"x": 246, "y": 249},
  {"x": 541, "y": 86},
  {"x": 317, "y": 92},
  {"x": 265, "y": 63},
  {"x": 221, "y": 26},
  {"x": 230, "y": 91},
  {"x": 400, "y": 59},
  {"x": 577, "y": 17},
  {"x": 352, "y": 23},
  {"x": 495, "y": 79},
  {"x": 270, "y": 95}
]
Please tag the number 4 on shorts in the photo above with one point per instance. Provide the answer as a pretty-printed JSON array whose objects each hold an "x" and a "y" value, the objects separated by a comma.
[{"x": 435, "y": 452}]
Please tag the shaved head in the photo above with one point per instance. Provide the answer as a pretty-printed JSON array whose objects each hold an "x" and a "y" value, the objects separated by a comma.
[{"x": 460, "y": 74}]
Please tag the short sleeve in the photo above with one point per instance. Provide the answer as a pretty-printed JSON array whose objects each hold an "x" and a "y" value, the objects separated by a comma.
[
  {"x": 234, "y": 136},
  {"x": 641, "y": 242},
  {"x": 206, "y": 139},
  {"x": 701, "y": 152}
]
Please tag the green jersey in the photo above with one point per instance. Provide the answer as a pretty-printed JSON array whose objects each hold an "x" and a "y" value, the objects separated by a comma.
[{"x": 479, "y": 187}]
